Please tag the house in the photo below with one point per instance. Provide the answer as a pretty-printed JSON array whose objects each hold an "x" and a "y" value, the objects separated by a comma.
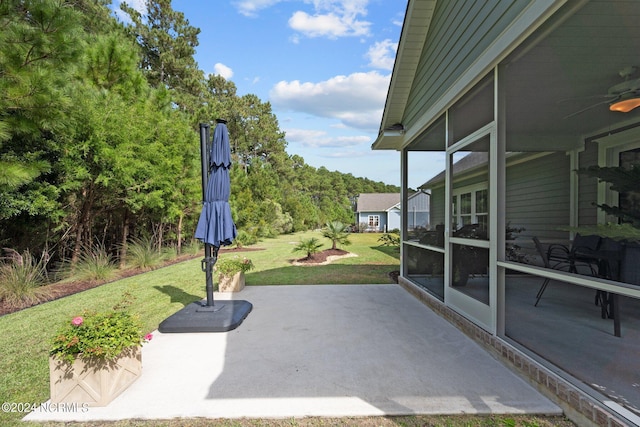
[
  {"x": 519, "y": 97},
  {"x": 380, "y": 212}
]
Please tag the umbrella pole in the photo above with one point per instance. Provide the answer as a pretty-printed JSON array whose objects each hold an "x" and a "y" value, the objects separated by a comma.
[
  {"x": 204, "y": 157},
  {"x": 210, "y": 258}
]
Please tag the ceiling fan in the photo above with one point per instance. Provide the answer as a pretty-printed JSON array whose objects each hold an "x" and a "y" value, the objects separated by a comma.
[{"x": 622, "y": 97}]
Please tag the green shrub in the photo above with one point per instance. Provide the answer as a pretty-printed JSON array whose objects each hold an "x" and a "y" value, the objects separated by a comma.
[
  {"x": 390, "y": 239},
  {"x": 244, "y": 239},
  {"x": 98, "y": 334},
  {"x": 231, "y": 266}
]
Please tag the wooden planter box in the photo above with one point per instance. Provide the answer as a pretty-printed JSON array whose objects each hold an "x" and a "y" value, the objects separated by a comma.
[
  {"x": 234, "y": 283},
  {"x": 93, "y": 381}
]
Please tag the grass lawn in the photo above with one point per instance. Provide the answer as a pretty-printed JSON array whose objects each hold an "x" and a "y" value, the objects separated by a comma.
[
  {"x": 25, "y": 335},
  {"x": 273, "y": 265}
]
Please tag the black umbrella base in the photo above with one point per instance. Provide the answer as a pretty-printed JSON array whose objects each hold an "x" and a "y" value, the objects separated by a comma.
[{"x": 223, "y": 316}]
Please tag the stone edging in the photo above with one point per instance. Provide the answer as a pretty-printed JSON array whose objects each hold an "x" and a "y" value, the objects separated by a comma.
[{"x": 330, "y": 259}]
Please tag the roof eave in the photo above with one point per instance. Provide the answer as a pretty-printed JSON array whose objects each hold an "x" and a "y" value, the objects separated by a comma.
[{"x": 412, "y": 39}]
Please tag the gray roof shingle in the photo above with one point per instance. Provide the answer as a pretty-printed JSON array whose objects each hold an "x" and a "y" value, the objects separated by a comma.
[{"x": 376, "y": 202}]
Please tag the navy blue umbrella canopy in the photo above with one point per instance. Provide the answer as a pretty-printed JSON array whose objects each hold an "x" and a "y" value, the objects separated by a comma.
[{"x": 216, "y": 226}]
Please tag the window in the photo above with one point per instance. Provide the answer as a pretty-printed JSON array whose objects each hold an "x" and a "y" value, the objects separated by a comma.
[
  {"x": 622, "y": 149},
  {"x": 471, "y": 206},
  {"x": 465, "y": 209},
  {"x": 482, "y": 208},
  {"x": 374, "y": 221},
  {"x": 629, "y": 201}
]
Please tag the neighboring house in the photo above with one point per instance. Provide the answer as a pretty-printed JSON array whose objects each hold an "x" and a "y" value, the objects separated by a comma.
[
  {"x": 518, "y": 96},
  {"x": 381, "y": 212},
  {"x": 378, "y": 212},
  {"x": 418, "y": 217}
]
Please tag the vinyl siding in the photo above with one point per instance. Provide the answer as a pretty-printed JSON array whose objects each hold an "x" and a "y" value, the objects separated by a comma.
[
  {"x": 363, "y": 218},
  {"x": 537, "y": 196},
  {"x": 460, "y": 33},
  {"x": 537, "y": 193},
  {"x": 437, "y": 207},
  {"x": 417, "y": 212}
]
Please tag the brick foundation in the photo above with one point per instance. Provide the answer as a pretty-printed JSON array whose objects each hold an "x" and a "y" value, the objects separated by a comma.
[{"x": 577, "y": 405}]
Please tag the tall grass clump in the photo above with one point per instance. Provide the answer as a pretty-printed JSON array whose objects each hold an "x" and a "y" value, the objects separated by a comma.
[
  {"x": 143, "y": 253},
  {"x": 169, "y": 252},
  {"x": 192, "y": 247},
  {"x": 22, "y": 280},
  {"x": 94, "y": 264}
]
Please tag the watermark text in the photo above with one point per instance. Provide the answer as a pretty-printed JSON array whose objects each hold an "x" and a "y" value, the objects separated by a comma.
[{"x": 48, "y": 407}]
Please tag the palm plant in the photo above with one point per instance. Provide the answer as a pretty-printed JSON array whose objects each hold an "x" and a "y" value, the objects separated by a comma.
[
  {"x": 337, "y": 232},
  {"x": 310, "y": 246}
]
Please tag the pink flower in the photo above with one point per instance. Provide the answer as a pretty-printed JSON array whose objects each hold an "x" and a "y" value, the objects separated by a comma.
[
  {"x": 148, "y": 337},
  {"x": 77, "y": 321}
]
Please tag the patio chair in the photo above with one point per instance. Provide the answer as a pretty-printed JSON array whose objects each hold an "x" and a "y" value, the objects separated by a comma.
[
  {"x": 580, "y": 253},
  {"x": 608, "y": 268},
  {"x": 552, "y": 258},
  {"x": 545, "y": 260}
]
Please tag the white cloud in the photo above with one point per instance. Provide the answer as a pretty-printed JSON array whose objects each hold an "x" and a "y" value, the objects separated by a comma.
[
  {"x": 222, "y": 70},
  {"x": 329, "y": 18},
  {"x": 251, "y": 8},
  {"x": 333, "y": 19},
  {"x": 356, "y": 100},
  {"x": 382, "y": 54},
  {"x": 328, "y": 25},
  {"x": 320, "y": 139},
  {"x": 137, "y": 5}
]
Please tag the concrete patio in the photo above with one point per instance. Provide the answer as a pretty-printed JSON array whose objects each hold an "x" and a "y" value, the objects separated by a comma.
[{"x": 322, "y": 350}]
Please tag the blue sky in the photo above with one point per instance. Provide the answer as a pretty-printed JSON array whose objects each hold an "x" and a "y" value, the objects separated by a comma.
[{"x": 324, "y": 65}]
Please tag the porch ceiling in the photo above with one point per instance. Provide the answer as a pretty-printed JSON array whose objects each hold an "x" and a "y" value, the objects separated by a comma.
[
  {"x": 565, "y": 67},
  {"x": 570, "y": 69}
]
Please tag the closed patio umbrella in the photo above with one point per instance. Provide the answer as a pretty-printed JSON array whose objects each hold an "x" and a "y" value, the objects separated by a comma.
[
  {"x": 215, "y": 228},
  {"x": 215, "y": 225}
]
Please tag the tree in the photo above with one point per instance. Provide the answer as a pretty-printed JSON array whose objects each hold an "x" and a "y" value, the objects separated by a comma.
[
  {"x": 98, "y": 135},
  {"x": 168, "y": 43},
  {"x": 337, "y": 232},
  {"x": 40, "y": 43}
]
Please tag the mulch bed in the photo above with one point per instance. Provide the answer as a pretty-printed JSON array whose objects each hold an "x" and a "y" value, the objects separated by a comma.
[
  {"x": 320, "y": 257},
  {"x": 60, "y": 290}
]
